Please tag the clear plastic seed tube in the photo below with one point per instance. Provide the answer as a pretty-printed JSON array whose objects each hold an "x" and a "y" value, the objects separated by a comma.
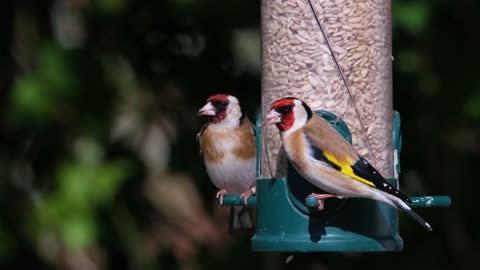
[{"x": 298, "y": 62}]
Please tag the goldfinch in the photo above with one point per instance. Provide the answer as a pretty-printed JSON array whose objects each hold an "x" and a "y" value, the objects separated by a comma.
[
  {"x": 227, "y": 146},
  {"x": 324, "y": 158}
]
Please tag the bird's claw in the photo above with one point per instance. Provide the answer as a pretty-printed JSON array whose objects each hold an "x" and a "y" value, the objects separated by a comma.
[
  {"x": 245, "y": 195},
  {"x": 220, "y": 195}
]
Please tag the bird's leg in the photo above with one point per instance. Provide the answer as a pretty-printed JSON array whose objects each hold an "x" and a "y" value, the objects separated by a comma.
[
  {"x": 321, "y": 199},
  {"x": 220, "y": 194},
  {"x": 245, "y": 195}
]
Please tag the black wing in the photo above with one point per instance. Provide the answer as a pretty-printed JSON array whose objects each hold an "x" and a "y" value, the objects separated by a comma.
[
  {"x": 364, "y": 170},
  {"x": 318, "y": 154},
  {"x": 361, "y": 170}
]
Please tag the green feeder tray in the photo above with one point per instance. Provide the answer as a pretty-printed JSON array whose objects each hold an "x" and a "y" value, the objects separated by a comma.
[{"x": 286, "y": 223}]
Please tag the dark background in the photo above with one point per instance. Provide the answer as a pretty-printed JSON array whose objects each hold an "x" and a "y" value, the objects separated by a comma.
[{"x": 98, "y": 162}]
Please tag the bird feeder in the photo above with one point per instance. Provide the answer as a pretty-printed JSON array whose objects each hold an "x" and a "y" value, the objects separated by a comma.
[
  {"x": 285, "y": 220},
  {"x": 336, "y": 56}
]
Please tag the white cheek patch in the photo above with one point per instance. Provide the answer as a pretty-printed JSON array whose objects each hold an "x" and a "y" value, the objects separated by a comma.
[{"x": 298, "y": 123}]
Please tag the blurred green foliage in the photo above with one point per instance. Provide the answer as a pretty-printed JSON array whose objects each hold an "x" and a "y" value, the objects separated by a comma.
[
  {"x": 112, "y": 7},
  {"x": 84, "y": 184},
  {"x": 36, "y": 97},
  {"x": 412, "y": 16},
  {"x": 98, "y": 102}
]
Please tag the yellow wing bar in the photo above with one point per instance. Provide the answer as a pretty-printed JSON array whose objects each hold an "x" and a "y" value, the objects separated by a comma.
[{"x": 346, "y": 169}]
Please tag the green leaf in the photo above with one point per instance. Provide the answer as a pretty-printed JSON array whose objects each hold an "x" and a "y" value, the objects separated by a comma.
[
  {"x": 78, "y": 230},
  {"x": 109, "y": 178},
  {"x": 111, "y": 7},
  {"x": 411, "y": 16},
  {"x": 472, "y": 106},
  {"x": 30, "y": 98},
  {"x": 75, "y": 183},
  {"x": 88, "y": 151},
  {"x": 54, "y": 70},
  {"x": 38, "y": 96}
]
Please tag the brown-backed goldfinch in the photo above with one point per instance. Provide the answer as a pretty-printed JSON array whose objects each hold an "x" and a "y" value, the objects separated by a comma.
[
  {"x": 227, "y": 146},
  {"x": 324, "y": 158}
]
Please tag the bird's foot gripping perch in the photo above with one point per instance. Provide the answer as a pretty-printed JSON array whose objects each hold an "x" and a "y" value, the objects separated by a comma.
[
  {"x": 220, "y": 195},
  {"x": 320, "y": 200},
  {"x": 245, "y": 195}
]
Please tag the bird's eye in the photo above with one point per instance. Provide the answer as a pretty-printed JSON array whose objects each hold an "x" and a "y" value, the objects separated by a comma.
[
  {"x": 287, "y": 109},
  {"x": 220, "y": 105}
]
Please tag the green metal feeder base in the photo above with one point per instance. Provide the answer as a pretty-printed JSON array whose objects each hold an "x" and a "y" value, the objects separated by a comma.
[
  {"x": 353, "y": 225},
  {"x": 335, "y": 242},
  {"x": 287, "y": 228}
]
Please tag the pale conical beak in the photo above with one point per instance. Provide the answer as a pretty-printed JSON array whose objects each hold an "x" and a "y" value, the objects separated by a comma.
[
  {"x": 272, "y": 117},
  {"x": 208, "y": 109}
]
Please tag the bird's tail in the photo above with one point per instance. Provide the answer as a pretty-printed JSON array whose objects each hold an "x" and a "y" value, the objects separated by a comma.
[
  {"x": 402, "y": 205},
  {"x": 240, "y": 218}
]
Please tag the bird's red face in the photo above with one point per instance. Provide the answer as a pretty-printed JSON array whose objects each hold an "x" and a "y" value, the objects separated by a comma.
[
  {"x": 216, "y": 107},
  {"x": 282, "y": 114}
]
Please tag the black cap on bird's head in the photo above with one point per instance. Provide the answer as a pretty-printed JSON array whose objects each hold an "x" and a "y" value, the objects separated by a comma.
[
  {"x": 286, "y": 112},
  {"x": 219, "y": 106}
]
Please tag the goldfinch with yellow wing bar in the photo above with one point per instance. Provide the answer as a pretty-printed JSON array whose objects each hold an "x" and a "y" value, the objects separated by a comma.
[{"x": 325, "y": 159}]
